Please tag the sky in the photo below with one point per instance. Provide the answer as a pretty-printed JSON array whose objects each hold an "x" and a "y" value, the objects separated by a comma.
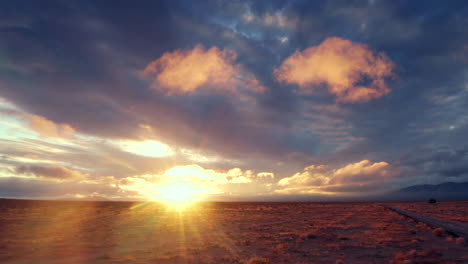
[{"x": 231, "y": 100}]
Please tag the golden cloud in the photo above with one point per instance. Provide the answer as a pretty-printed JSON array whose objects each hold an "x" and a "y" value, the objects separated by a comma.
[
  {"x": 352, "y": 72},
  {"x": 306, "y": 178},
  {"x": 315, "y": 167},
  {"x": 47, "y": 128},
  {"x": 266, "y": 174},
  {"x": 240, "y": 179},
  {"x": 197, "y": 173},
  {"x": 185, "y": 71},
  {"x": 237, "y": 175},
  {"x": 236, "y": 172},
  {"x": 362, "y": 173}
]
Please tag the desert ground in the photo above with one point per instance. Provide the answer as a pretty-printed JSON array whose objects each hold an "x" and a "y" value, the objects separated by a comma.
[{"x": 226, "y": 232}]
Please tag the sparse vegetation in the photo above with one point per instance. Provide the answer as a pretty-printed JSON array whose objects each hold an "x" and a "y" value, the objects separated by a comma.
[
  {"x": 218, "y": 233},
  {"x": 257, "y": 260},
  {"x": 438, "y": 231}
]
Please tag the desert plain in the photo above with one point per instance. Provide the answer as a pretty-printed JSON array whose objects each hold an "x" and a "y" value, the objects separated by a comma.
[{"x": 227, "y": 232}]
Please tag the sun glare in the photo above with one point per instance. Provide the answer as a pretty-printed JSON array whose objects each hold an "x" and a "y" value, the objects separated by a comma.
[{"x": 178, "y": 195}]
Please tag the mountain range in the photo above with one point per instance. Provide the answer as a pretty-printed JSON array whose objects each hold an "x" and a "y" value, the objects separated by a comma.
[{"x": 443, "y": 191}]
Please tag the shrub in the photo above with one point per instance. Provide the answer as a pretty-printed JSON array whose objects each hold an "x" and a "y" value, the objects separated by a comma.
[{"x": 257, "y": 260}]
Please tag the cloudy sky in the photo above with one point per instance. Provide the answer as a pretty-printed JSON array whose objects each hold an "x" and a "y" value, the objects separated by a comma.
[{"x": 231, "y": 99}]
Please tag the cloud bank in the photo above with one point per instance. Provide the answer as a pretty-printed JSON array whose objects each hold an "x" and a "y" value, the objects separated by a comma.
[{"x": 353, "y": 177}]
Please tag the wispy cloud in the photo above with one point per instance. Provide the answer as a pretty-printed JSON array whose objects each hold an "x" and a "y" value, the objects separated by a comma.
[
  {"x": 50, "y": 171},
  {"x": 276, "y": 19},
  {"x": 48, "y": 128}
]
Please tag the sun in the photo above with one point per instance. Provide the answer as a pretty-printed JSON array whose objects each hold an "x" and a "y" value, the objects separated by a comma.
[{"x": 178, "y": 195}]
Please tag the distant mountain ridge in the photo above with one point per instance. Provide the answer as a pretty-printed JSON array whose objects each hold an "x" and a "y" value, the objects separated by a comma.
[
  {"x": 445, "y": 191},
  {"x": 443, "y": 187},
  {"x": 93, "y": 199}
]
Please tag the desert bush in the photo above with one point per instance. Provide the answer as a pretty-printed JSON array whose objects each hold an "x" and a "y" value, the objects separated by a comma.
[
  {"x": 460, "y": 240},
  {"x": 438, "y": 231},
  {"x": 257, "y": 260}
]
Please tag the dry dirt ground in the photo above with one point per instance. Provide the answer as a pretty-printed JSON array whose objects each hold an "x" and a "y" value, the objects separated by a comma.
[{"x": 124, "y": 232}]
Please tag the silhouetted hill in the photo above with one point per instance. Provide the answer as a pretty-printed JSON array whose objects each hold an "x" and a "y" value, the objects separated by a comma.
[
  {"x": 92, "y": 199},
  {"x": 443, "y": 191}
]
